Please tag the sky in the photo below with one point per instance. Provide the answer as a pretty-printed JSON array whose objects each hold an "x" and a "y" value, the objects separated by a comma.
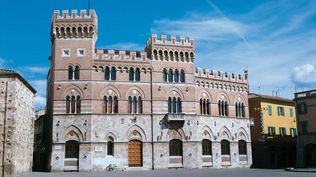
[{"x": 275, "y": 40}]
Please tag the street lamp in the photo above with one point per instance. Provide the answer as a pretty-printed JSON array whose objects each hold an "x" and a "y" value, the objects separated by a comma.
[{"x": 262, "y": 111}]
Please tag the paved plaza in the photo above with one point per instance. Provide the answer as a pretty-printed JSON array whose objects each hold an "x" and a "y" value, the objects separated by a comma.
[{"x": 182, "y": 173}]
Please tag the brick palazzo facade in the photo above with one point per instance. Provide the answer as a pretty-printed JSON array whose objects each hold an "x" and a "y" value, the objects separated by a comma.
[{"x": 140, "y": 109}]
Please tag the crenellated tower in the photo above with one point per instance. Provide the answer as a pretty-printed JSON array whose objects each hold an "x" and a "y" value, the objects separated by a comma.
[
  {"x": 172, "y": 59},
  {"x": 74, "y": 26},
  {"x": 170, "y": 48}
]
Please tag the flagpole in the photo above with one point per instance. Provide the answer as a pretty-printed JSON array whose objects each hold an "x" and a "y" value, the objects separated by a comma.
[{"x": 89, "y": 6}]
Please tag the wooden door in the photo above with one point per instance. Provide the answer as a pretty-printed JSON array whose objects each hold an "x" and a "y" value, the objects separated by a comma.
[
  {"x": 71, "y": 161},
  {"x": 135, "y": 154}
]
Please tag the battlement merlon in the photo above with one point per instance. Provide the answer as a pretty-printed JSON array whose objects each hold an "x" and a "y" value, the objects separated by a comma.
[
  {"x": 170, "y": 40},
  {"x": 72, "y": 15},
  {"x": 225, "y": 76}
]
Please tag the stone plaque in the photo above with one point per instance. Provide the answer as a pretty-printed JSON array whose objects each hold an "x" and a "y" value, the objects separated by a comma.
[
  {"x": 58, "y": 147},
  {"x": 98, "y": 149}
]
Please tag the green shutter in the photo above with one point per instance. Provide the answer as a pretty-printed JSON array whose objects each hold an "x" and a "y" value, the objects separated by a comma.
[
  {"x": 280, "y": 131},
  {"x": 270, "y": 110},
  {"x": 291, "y": 112},
  {"x": 273, "y": 131}
]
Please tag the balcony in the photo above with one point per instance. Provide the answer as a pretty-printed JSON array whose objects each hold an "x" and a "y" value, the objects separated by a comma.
[{"x": 175, "y": 117}]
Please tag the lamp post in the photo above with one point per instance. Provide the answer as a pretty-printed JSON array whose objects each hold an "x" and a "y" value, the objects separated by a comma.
[{"x": 261, "y": 111}]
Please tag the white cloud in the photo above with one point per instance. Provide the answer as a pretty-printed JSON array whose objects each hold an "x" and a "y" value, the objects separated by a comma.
[
  {"x": 305, "y": 74},
  {"x": 265, "y": 40},
  {"x": 201, "y": 28},
  {"x": 39, "y": 70},
  {"x": 40, "y": 87},
  {"x": 40, "y": 102}
]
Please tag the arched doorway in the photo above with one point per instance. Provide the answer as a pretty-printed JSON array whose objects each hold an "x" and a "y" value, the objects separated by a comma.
[
  {"x": 310, "y": 155},
  {"x": 71, "y": 162},
  {"x": 135, "y": 153},
  {"x": 175, "y": 153}
]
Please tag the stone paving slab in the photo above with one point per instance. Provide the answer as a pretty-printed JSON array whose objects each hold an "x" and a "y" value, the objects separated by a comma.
[{"x": 181, "y": 173}]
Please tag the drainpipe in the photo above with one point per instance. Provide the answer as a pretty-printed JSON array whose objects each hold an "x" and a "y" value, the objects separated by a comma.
[
  {"x": 299, "y": 161},
  {"x": 4, "y": 127},
  {"x": 152, "y": 121}
]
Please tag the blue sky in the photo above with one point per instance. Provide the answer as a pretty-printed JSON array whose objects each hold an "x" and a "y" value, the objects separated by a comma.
[{"x": 275, "y": 39}]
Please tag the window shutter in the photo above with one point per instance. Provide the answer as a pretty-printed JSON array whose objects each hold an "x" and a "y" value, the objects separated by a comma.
[{"x": 305, "y": 108}]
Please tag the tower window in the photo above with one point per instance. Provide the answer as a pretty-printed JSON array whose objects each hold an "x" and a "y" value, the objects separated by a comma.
[
  {"x": 174, "y": 105},
  {"x": 81, "y": 52},
  {"x": 73, "y": 104},
  {"x": 66, "y": 52},
  {"x": 135, "y": 105}
]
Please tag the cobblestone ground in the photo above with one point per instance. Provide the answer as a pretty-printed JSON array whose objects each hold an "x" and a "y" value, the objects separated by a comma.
[{"x": 182, "y": 173}]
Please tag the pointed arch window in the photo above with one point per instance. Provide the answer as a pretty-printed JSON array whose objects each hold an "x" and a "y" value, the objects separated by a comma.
[
  {"x": 77, "y": 73},
  {"x": 107, "y": 73},
  {"x": 164, "y": 75},
  {"x": 240, "y": 109},
  {"x": 110, "y": 105},
  {"x": 206, "y": 147},
  {"x": 204, "y": 106},
  {"x": 135, "y": 104},
  {"x": 223, "y": 108},
  {"x": 225, "y": 147},
  {"x": 174, "y": 105},
  {"x": 179, "y": 105},
  {"x": 226, "y": 109},
  {"x": 131, "y": 74},
  {"x": 182, "y": 76},
  {"x": 169, "y": 105},
  {"x": 176, "y": 76},
  {"x": 137, "y": 74},
  {"x": 73, "y": 104},
  {"x": 78, "y": 105},
  {"x": 110, "y": 147},
  {"x": 242, "y": 147},
  {"x": 115, "y": 104},
  {"x": 170, "y": 75},
  {"x": 208, "y": 112},
  {"x": 68, "y": 104},
  {"x": 113, "y": 74},
  {"x": 175, "y": 147},
  {"x": 201, "y": 106},
  {"x": 130, "y": 104},
  {"x": 105, "y": 101},
  {"x": 140, "y": 105},
  {"x": 70, "y": 73}
]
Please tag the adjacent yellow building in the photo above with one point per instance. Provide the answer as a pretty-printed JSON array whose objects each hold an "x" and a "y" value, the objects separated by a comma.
[{"x": 274, "y": 132}]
